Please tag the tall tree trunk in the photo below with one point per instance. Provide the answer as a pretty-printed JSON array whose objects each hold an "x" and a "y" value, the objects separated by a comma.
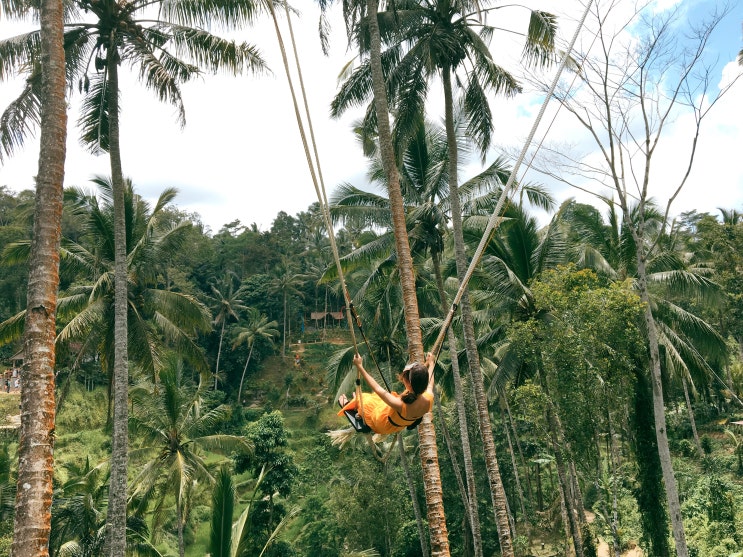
[
  {"x": 529, "y": 490},
  {"x": 659, "y": 410},
  {"x": 117, "y": 494},
  {"x": 32, "y": 521},
  {"x": 179, "y": 518},
  {"x": 219, "y": 354},
  {"x": 426, "y": 434},
  {"x": 451, "y": 449},
  {"x": 242, "y": 377},
  {"x": 515, "y": 471},
  {"x": 413, "y": 497},
  {"x": 692, "y": 421},
  {"x": 283, "y": 344},
  {"x": 497, "y": 493},
  {"x": 565, "y": 521},
  {"x": 613, "y": 469},
  {"x": 540, "y": 499},
  {"x": 469, "y": 469},
  {"x": 573, "y": 525}
]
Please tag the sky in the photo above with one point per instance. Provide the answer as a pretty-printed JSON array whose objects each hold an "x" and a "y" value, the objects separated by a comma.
[{"x": 240, "y": 155}]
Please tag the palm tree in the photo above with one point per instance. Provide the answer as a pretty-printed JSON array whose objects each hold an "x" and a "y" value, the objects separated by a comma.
[
  {"x": 424, "y": 173},
  {"x": 258, "y": 328},
  {"x": 228, "y": 301},
  {"x": 173, "y": 427},
  {"x": 32, "y": 521},
  {"x": 168, "y": 45},
  {"x": 286, "y": 282},
  {"x": 689, "y": 346},
  {"x": 362, "y": 24},
  {"x": 438, "y": 39},
  {"x": 157, "y": 317},
  {"x": 79, "y": 516},
  {"x": 227, "y": 538}
]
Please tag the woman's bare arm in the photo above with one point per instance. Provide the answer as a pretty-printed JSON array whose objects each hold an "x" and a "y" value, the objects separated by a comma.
[
  {"x": 431, "y": 363},
  {"x": 389, "y": 399}
]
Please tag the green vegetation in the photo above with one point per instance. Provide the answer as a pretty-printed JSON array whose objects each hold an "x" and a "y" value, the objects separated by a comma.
[
  {"x": 594, "y": 407},
  {"x": 563, "y": 355}
]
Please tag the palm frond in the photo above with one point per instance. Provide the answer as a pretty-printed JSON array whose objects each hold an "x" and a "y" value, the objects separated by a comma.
[
  {"x": 539, "y": 48},
  {"x": 203, "y": 13},
  {"x": 12, "y": 328},
  {"x": 215, "y": 53},
  {"x": 163, "y": 75},
  {"x": 686, "y": 284},
  {"x": 16, "y": 253},
  {"x": 18, "y": 53},
  {"x": 340, "y": 374},
  {"x": 223, "y": 507},
  {"x": 192, "y": 316},
  {"x": 288, "y": 517},
  {"x": 354, "y": 91},
  {"x": 94, "y": 115},
  {"x": 224, "y": 443},
  {"x": 22, "y": 116}
]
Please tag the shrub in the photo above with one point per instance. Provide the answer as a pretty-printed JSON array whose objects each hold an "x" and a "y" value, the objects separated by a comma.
[
  {"x": 707, "y": 445},
  {"x": 686, "y": 448}
]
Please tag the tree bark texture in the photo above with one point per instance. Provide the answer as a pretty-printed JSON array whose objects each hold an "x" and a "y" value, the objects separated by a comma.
[
  {"x": 32, "y": 521},
  {"x": 426, "y": 432},
  {"x": 659, "y": 410},
  {"x": 497, "y": 492},
  {"x": 469, "y": 469},
  {"x": 413, "y": 497},
  {"x": 117, "y": 493}
]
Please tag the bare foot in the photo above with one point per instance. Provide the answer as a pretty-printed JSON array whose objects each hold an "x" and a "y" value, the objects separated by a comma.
[{"x": 342, "y": 400}]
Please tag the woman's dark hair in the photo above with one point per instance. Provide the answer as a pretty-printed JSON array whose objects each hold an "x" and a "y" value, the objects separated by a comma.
[{"x": 417, "y": 374}]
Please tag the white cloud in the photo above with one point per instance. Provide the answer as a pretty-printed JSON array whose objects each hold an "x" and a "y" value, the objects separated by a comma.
[{"x": 240, "y": 156}]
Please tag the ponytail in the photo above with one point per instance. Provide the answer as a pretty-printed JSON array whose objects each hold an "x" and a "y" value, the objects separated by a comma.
[
  {"x": 408, "y": 397},
  {"x": 417, "y": 375}
]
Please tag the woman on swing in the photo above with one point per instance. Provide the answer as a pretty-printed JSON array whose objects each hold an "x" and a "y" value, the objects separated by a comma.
[{"x": 386, "y": 412}]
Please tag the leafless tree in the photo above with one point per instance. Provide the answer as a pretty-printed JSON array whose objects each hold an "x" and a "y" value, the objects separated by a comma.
[{"x": 640, "y": 73}]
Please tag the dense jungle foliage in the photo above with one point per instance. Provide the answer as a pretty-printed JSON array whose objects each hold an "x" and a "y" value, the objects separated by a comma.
[{"x": 226, "y": 427}]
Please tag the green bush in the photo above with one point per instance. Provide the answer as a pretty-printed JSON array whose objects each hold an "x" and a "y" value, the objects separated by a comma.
[
  {"x": 82, "y": 410},
  {"x": 5, "y": 544},
  {"x": 707, "y": 445},
  {"x": 686, "y": 448}
]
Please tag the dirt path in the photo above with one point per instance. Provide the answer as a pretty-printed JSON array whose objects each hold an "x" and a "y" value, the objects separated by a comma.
[
  {"x": 603, "y": 548},
  {"x": 603, "y": 551}
]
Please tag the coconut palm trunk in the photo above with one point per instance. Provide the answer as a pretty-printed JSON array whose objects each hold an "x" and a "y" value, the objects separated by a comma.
[
  {"x": 32, "y": 521},
  {"x": 469, "y": 469},
  {"x": 497, "y": 493},
  {"x": 242, "y": 377},
  {"x": 179, "y": 518},
  {"x": 690, "y": 413},
  {"x": 413, "y": 497},
  {"x": 659, "y": 410},
  {"x": 117, "y": 494},
  {"x": 572, "y": 526},
  {"x": 426, "y": 433},
  {"x": 219, "y": 354}
]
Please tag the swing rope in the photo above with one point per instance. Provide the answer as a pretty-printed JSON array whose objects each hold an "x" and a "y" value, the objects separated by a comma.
[
  {"x": 509, "y": 189},
  {"x": 495, "y": 219},
  {"x": 319, "y": 184}
]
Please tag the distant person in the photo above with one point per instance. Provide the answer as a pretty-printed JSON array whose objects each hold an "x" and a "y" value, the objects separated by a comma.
[
  {"x": 386, "y": 412},
  {"x": 297, "y": 360},
  {"x": 7, "y": 385}
]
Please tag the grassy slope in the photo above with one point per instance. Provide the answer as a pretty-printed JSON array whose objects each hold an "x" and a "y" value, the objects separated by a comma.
[{"x": 304, "y": 400}]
